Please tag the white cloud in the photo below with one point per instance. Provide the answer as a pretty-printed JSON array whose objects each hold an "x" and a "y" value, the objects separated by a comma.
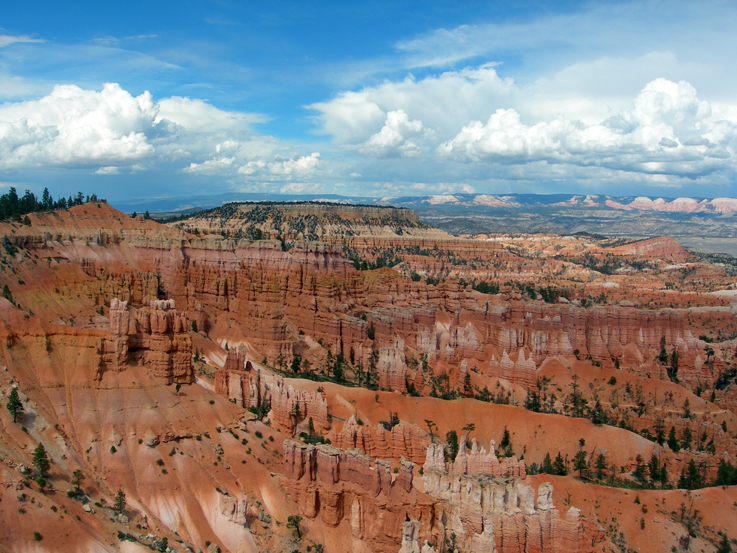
[
  {"x": 642, "y": 139},
  {"x": 393, "y": 138},
  {"x": 441, "y": 102},
  {"x": 282, "y": 169},
  {"x": 217, "y": 166},
  {"x": 109, "y": 170},
  {"x": 296, "y": 167},
  {"x": 7, "y": 40},
  {"x": 198, "y": 115},
  {"x": 299, "y": 188},
  {"x": 72, "y": 126},
  {"x": 110, "y": 129}
]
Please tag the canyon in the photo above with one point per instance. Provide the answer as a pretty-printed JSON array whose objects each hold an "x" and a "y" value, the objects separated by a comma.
[{"x": 278, "y": 377}]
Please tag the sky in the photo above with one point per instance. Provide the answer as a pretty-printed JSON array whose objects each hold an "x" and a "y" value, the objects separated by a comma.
[{"x": 384, "y": 99}]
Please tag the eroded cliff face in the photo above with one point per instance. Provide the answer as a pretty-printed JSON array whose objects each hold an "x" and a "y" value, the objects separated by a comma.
[
  {"x": 403, "y": 440},
  {"x": 502, "y": 515},
  {"x": 154, "y": 336},
  {"x": 473, "y": 511},
  {"x": 98, "y": 325},
  {"x": 244, "y": 385},
  {"x": 337, "y": 486},
  {"x": 474, "y": 461}
]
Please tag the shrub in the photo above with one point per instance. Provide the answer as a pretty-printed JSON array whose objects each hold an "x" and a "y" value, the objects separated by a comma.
[{"x": 37, "y": 536}]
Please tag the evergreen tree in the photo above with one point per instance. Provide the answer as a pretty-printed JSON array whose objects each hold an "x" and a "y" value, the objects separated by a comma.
[
  {"x": 120, "y": 502},
  {"x": 659, "y": 432},
  {"x": 673, "y": 441},
  {"x": 654, "y": 469},
  {"x": 506, "y": 439},
  {"x": 559, "y": 466},
  {"x": 726, "y": 474},
  {"x": 601, "y": 465},
  {"x": 532, "y": 403},
  {"x": 14, "y": 405},
  {"x": 41, "y": 460},
  {"x": 724, "y": 545},
  {"x": 639, "y": 472},
  {"x": 548, "y": 464},
  {"x": 686, "y": 438},
  {"x": 579, "y": 463},
  {"x": 451, "y": 450},
  {"x": 470, "y": 427},
  {"x": 598, "y": 416},
  {"x": 77, "y": 478},
  {"x": 293, "y": 522},
  {"x": 690, "y": 478}
]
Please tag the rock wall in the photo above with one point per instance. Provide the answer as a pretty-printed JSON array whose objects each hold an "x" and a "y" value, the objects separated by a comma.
[
  {"x": 339, "y": 485},
  {"x": 501, "y": 515},
  {"x": 243, "y": 385},
  {"x": 484, "y": 513},
  {"x": 154, "y": 336},
  {"x": 391, "y": 367},
  {"x": 522, "y": 371},
  {"x": 403, "y": 440},
  {"x": 475, "y": 461}
]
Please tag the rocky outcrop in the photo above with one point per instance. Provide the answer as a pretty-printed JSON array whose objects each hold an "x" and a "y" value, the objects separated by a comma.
[
  {"x": 403, "y": 440},
  {"x": 484, "y": 513},
  {"x": 475, "y": 461},
  {"x": 155, "y": 337},
  {"x": 233, "y": 381},
  {"x": 490, "y": 514},
  {"x": 661, "y": 247},
  {"x": 391, "y": 367},
  {"x": 288, "y": 406},
  {"x": 522, "y": 371},
  {"x": 234, "y": 509},
  {"x": 339, "y": 485}
]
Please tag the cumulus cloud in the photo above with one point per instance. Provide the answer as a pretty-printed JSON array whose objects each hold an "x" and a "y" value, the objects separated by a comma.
[
  {"x": 282, "y": 169},
  {"x": 72, "y": 126},
  {"x": 667, "y": 130},
  {"x": 475, "y": 117},
  {"x": 393, "y": 140},
  {"x": 217, "y": 166},
  {"x": 110, "y": 129},
  {"x": 441, "y": 102},
  {"x": 197, "y": 115},
  {"x": 109, "y": 170}
]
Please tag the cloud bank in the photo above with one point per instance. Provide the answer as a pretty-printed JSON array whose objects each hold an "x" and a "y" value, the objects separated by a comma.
[
  {"x": 476, "y": 119},
  {"x": 112, "y": 131}
]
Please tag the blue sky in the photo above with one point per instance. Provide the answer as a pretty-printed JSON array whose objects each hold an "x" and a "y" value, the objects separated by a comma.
[{"x": 383, "y": 98}]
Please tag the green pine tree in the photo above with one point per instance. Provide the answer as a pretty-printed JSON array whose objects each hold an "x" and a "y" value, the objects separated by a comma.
[
  {"x": 559, "y": 466},
  {"x": 548, "y": 464},
  {"x": 41, "y": 460},
  {"x": 601, "y": 466},
  {"x": 579, "y": 463},
  {"x": 452, "y": 448},
  {"x": 14, "y": 405},
  {"x": 120, "y": 502},
  {"x": 673, "y": 441}
]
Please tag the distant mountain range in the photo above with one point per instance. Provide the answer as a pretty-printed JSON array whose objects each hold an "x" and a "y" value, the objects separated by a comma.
[
  {"x": 626, "y": 203},
  {"x": 715, "y": 206},
  {"x": 705, "y": 224}
]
